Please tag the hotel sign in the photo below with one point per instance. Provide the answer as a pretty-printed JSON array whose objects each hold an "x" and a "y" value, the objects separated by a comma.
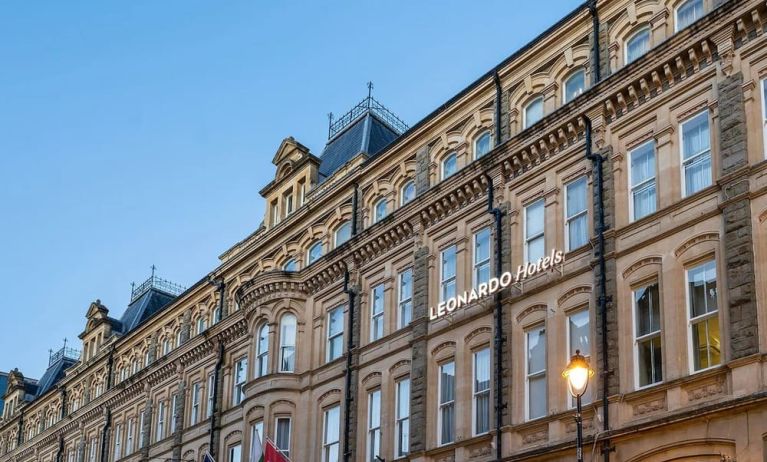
[{"x": 485, "y": 289}]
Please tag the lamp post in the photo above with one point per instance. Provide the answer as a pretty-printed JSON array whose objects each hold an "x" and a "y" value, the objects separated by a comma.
[{"x": 577, "y": 375}]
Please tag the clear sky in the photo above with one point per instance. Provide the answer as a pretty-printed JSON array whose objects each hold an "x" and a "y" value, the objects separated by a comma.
[{"x": 139, "y": 132}]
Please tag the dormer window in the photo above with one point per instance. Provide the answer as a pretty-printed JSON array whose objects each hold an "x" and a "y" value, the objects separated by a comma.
[
  {"x": 315, "y": 252},
  {"x": 287, "y": 199},
  {"x": 379, "y": 210},
  {"x": 343, "y": 233},
  {"x": 482, "y": 145},
  {"x": 275, "y": 212}
]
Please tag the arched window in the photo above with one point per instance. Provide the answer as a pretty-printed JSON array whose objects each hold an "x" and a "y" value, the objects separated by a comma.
[
  {"x": 533, "y": 112},
  {"x": 638, "y": 44},
  {"x": 262, "y": 351},
  {"x": 407, "y": 193},
  {"x": 201, "y": 324},
  {"x": 483, "y": 144},
  {"x": 217, "y": 315},
  {"x": 290, "y": 266},
  {"x": 343, "y": 233},
  {"x": 288, "y": 343},
  {"x": 574, "y": 86},
  {"x": 315, "y": 252},
  {"x": 379, "y": 210},
  {"x": 687, "y": 13},
  {"x": 449, "y": 165}
]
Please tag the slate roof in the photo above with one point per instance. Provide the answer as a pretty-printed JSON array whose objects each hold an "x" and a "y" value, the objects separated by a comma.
[
  {"x": 53, "y": 374},
  {"x": 149, "y": 303},
  {"x": 3, "y": 388}
]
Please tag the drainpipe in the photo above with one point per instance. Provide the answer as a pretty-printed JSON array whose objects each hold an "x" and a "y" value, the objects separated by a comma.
[
  {"x": 63, "y": 402},
  {"x": 105, "y": 433},
  {"x": 355, "y": 200},
  {"x": 110, "y": 363},
  {"x": 595, "y": 27},
  {"x": 349, "y": 346},
  {"x": 216, "y": 377},
  {"x": 498, "y": 92},
  {"x": 60, "y": 449},
  {"x": 602, "y": 300},
  {"x": 498, "y": 342}
]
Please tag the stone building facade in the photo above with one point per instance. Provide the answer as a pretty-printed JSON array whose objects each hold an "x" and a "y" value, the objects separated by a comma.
[{"x": 325, "y": 330}]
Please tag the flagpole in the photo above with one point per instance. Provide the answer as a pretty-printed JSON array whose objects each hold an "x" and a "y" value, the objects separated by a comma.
[{"x": 282, "y": 453}]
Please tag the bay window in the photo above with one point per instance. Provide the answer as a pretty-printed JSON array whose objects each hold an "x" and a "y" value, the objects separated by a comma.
[{"x": 288, "y": 343}]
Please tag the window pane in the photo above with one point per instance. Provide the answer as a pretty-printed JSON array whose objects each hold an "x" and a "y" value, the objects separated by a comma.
[
  {"x": 403, "y": 398},
  {"x": 482, "y": 246},
  {"x": 575, "y": 85},
  {"x": 315, "y": 252},
  {"x": 536, "y": 249},
  {"x": 449, "y": 165},
  {"x": 576, "y": 197},
  {"x": 649, "y": 361},
  {"x": 638, "y": 45},
  {"x": 695, "y": 136},
  {"x": 533, "y": 112},
  {"x": 538, "y": 397},
  {"x": 447, "y": 383},
  {"x": 688, "y": 13},
  {"x": 380, "y": 210},
  {"x": 534, "y": 223},
  {"x": 647, "y": 310},
  {"x": 336, "y": 321},
  {"x": 536, "y": 351},
  {"x": 282, "y": 439},
  {"x": 579, "y": 333},
  {"x": 644, "y": 201},
  {"x": 343, "y": 233},
  {"x": 482, "y": 145},
  {"x": 702, "y": 289},
  {"x": 642, "y": 163},
  {"x": 408, "y": 192}
]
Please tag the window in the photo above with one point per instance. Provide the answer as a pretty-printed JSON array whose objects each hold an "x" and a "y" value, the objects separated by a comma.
[
  {"x": 301, "y": 192},
  {"x": 262, "y": 351},
  {"x": 343, "y": 233},
  {"x": 315, "y": 252},
  {"x": 335, "y": 333},
  {"x": 240, "y": 375},
  {"x": 211, "y": 394},
  {"x": 377, "y": 313},
  {"x": 537, "y": 404},
  {"x": 446, "y": 403},
  {"x": 201, "y": 324},
  {"x": 257, "y": 433},
  {"x": 92, "y": 450},
  {"x": 282, "y": 435},
  {"x": 578, "y": 335},
  {"x": 576, "y": 214},
  {"x": 379, "y": 210},
  {"x": 689, "y": 12},
  {"x": 178, "y": 338},
  {"x": 764, "y": 115},
  {"x": 449, "y": 165},
  {"x": 704, "y": 316},
  {"x": 405, "y": 295},
  {"x": 482, "y": 257},
  {"x": 642, "y": 174},
  {"x": 160, "y": 430},
  {"x": 696, "y": 153},
  {"x": 235, "y": 453},
  {"x": 649, "y": 360},
  {"x": 141, "y": 420},
  {"x": 407, "y": 193},
  {"x": 290, "y": 266},
  {"x": 217, "y": 315},
  {"x": 374, "y": 425},
  {"x": 287, "y": 199},
  {"x": 173, "y": 404},
  {"x": 117, "y": 443},
  {"x": 288, "y": 343},
  {"x": 275, "y": 213},
  {"x": 533, "y": 112},
  {"x": 574, "y": 86},
  {"x": 331, "y": 442},
  {"x": 195, "y": 403},
  {"x": 129, "y": 437},
  {"x": 535, "y": 241},
  {"x": 402, "y": 416},
  {"x": 481, "y": 389},
  {"x": 482, "y": 145},
  {"x": 166, "y": 346},
  {"x": 637, "y": 45},
  {"x": 447, "y": 273}
]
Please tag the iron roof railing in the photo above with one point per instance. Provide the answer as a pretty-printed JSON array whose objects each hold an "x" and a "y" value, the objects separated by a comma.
[
  {"x": 156, "y": 282},
  {"x": 65, "y": 352},
  {"x": 369, "y": 104}
]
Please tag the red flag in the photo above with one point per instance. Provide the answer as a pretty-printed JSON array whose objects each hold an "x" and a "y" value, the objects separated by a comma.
[{"x": 272, "y": 454}]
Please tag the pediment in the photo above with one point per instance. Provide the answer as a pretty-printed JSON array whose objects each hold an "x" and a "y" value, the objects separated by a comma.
[
  {"x": 289, "y": 152},
  {"x": 97, "y": 311}
]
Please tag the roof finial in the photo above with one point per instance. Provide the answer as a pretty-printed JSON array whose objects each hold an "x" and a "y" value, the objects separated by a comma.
[
  {"x": 370, "y": 91},
  {"x": 65, "y": 343},
  {"x": 153, "y": 268}
]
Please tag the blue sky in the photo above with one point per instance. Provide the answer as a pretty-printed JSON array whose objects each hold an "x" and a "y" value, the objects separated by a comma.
[{"x": 139, "y": 132}]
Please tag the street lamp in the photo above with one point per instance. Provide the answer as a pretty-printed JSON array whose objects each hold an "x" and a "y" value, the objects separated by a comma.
[{"x": 577, "y": 375}]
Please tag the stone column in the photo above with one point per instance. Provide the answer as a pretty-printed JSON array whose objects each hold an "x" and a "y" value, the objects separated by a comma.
[
  {"x": 422, "y": 163},
  {"x": 153, "y": 348},
  {"x": 178, "y": 417},
  {"x": 738, "y": 238},
  {"x": 419, "y": 360},
  {"x": 186, "y": 326},
  {"x": 146, "y": 428}
]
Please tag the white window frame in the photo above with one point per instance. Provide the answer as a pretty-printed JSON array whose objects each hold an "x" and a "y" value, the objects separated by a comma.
[
  {"x": 399, "y": 419},
  {"x": 285, "y": 451},
  {"x": 476, "y": 394},
  {"x": 479, "y": 264},
  {"x": 443, "y": 175},
  {"x": 568, "y": 219},
  {"x": 644, "y": 28},
  {"x": 231, "y": 453},
  {"x": 173, "y": 403},
  {"x": 487, "y": 133},
  {"x": 441, "y": 405},
  {"x": 645, "y": 337},
  {"x": 326, "y": 444},
  {"x": 159, "y": 433},
  {"x": 684, "y": 163},
  {"x": 542, "y": 234},
  {"x": 330, "y": 337},
  {"x": 764, "y": 115},
  {"x": 238, "y": 394},
  {"x": 644, "y": 183},
  {"x": 201, "y": 324},
  {"x": 443, "y": 281},
  {"x": 377, "y": 317},
  {"x": 533, "y": 375},
  {"x": 702, "y": 318},
  {"x": 284, "y": 346},
  {"x": 211, "y": 397},
  {"x": 314, "y": 245},
  {"x": 404, "y": 303},
  {"x": 373, "y": 432},
  {"x": 525, "y": 122},
  {"x": 141, "y": 420},
  {"x": 257, "y": 428},
  {"x": 92, "y": 450},
  {"x": 571, "y": 76},
  {"x": 336, "y": 241},
  {"x": 402, "y": 199},
  {"x": 587, "y": 395},
  {"x": 676, "y": 14},
  {"x": 117, "y": 442},
  {"x": 377, "y": 215},
  {"x": 262, "y": 356},
  {"x": 194, "y": 415}
]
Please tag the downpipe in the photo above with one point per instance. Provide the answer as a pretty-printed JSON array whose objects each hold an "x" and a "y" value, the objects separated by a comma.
[
  {"x": 597, "y": 161},
  {"x": 348, "y": 376},
  {"x": 498, "y": 340},
  {"x": 592, "y": 4},
  {"x": 216, "y": 379},
  {"x": 105, "y": 434}
]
